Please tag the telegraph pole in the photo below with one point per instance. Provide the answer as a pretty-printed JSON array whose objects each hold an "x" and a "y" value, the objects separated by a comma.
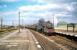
[
  {"x": 19, "y": 21},
  {"x": 53, "y": 20},
  {"x": 1, "y": 23},
  {"x": 12, "y": 23}
]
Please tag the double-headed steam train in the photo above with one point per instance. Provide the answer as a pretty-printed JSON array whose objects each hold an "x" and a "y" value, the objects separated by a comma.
[{"x": 43, "y": 27}]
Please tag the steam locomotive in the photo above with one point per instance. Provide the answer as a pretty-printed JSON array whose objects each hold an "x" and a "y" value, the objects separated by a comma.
[{"x": 45, "y": 28}]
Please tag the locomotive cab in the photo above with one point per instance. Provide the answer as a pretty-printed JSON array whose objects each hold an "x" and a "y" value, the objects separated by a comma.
[{"x": 48, "y": 29}]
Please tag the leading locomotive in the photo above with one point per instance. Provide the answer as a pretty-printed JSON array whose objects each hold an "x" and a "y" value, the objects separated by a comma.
[{"x": 45, "y": 27}]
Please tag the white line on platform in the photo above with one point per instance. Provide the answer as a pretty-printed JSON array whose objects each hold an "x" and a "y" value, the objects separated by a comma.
[
  {"x": 37, "y": 42},
  {"x": 38, "y": 46},
  {"x": 75, "y": 35},
  {"x": 11, "y": 45}
]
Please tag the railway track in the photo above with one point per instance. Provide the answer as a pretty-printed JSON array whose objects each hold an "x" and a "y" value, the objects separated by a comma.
[
  {"x": 64, "y": 41},
  {"x": 55, "y": 42},
  {"x": 46, "y": 44}
]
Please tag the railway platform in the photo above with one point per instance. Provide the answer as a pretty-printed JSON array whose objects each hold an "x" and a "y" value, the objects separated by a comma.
[
  {"x": 67, "y": 33},
  {"x": 24, "y": 40}
]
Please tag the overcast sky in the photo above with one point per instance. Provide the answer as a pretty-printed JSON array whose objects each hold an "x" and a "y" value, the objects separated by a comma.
[{"x": 32, "y": 10}]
